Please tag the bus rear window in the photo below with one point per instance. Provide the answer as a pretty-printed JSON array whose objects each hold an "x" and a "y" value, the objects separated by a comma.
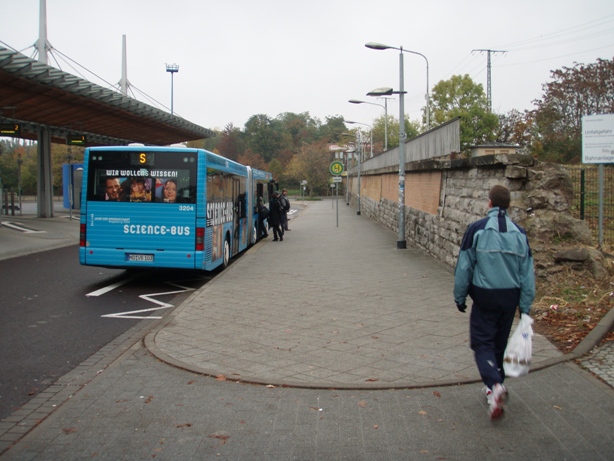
[{"x": 167, "y": 177}]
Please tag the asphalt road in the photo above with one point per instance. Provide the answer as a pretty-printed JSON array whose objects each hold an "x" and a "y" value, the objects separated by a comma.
[{"x": 55, "y": 314}]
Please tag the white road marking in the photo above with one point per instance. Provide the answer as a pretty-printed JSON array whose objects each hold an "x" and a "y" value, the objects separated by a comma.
[
  {"x": 150, "y": 297},
  {"x": 20, "y": 228},
  {"x": 111, "y": 287}
]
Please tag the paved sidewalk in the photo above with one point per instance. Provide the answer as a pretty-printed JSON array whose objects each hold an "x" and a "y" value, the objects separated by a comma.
[
  {"x": 329, "y": 307},
  {"x": 366, "y": 333}
]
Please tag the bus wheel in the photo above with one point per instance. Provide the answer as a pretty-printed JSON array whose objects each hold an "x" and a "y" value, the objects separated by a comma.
[
  {"x": 254, "y": 235},
  {"x": 226, "y": 254}
]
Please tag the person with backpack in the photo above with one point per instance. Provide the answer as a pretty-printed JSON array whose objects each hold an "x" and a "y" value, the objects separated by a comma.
[
  {"x": 275, "y": 214},
  {"x": 263, "y": 213},
  {"x": 285, "y": 207}
]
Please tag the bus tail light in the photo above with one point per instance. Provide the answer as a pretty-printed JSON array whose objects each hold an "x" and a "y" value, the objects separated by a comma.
[
  {"x": 200, "y": 239},
  {"x": 82, "y": 235}
]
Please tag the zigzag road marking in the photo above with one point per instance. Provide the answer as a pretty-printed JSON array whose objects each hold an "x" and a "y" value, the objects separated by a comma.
[{"x": 150, "y": 297}]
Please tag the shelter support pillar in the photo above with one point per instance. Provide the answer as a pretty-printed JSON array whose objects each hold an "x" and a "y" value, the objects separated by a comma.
[{"x": 44, "y": 185}]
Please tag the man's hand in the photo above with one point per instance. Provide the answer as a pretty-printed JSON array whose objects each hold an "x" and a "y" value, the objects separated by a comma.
[{"x": 461, "y": 307}]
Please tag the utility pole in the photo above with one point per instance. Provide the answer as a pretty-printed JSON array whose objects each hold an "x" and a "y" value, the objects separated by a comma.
[{"x": 488, "y": 91}]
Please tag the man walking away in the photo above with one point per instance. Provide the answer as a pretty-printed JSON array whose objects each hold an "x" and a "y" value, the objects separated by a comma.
[
  {"x": 285, "y": 207},
  {"x": 495, "y": 268}
]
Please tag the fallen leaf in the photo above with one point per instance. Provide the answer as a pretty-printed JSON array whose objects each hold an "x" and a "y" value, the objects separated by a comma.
[
  {"x": 375, "y": 426},
  {"x": 362, "y": 403},
  {"x": 149, "y": 399},
  {"x": 270, "y": 386},
  {"x": 436, "y": 394},
  {"x": 184, "y": 425},
  {"x": 191, "y": 381},
  {"x": 222, "y": 436},
  {"x": 375, "y": 337},
  {"x": 69, "y": 430},
  {"x": 424, "y": 452},
  {"x": 220, "y": 378},
  {"x": 422, "y": 412},
  {"x": 557, "y": 407},
  {"x": 371, "y": 380}
]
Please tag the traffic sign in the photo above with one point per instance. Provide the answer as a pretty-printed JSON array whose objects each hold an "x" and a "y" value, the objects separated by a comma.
[
  {"x": 337, "y": 179},
  {"x": 336, "y": 168}
]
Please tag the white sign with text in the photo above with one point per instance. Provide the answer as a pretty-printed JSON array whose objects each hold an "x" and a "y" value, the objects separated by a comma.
[{"x": 598, "y": 138}]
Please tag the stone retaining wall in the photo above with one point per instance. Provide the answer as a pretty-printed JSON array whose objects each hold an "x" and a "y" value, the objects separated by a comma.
[{"x": 443, "y": 196}]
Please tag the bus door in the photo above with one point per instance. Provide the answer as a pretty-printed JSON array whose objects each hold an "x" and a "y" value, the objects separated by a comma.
[{"x": 239, "y": 213}]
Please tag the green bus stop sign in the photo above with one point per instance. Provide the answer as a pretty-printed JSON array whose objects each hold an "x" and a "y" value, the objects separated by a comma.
[{"x": 336, "y": 168}]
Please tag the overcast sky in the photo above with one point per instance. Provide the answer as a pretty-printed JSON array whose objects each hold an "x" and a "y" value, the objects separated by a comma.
[{"x": 238, "y": 58}]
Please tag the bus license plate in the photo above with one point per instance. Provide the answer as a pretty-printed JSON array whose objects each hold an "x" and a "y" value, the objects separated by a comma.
[{"x": 139, "y": 257}]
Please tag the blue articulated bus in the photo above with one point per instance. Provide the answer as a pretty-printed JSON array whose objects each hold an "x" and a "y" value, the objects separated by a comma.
[{"x": 169, "y": 207}]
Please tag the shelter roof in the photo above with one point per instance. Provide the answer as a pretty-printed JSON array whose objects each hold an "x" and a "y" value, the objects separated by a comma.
[{"x": 35, "y": 94}]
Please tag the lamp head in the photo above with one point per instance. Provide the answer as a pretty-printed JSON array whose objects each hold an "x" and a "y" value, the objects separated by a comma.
[
  {"x": 385, "y": 91},
  {"x": 355, "y": 101},
  {"x": 377, "y": 46}
]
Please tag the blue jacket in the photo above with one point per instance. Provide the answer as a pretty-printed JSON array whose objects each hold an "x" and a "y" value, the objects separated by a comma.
[{"x": 495, "y": 264}]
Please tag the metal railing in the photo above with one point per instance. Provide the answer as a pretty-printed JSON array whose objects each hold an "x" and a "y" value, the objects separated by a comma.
[{"x": 585, "y": 205}]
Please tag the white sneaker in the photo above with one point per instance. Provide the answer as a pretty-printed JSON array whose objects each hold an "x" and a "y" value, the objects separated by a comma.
[{"x": 496, "y": 400}]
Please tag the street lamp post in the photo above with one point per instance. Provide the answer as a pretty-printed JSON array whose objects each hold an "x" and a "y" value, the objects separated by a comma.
[
  {"x": 401, "y": 242},
  {"x": 379, "y": 46},
  {"x": 371, "y": 130},
  {"x": 360, "y": 148},
  {"x": 173, "y": 69},
  {"x": 385, "y": 106}
]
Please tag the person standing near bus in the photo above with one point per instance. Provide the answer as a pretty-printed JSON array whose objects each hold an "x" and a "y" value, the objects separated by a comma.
[
  {"x": 285, "y": 207},
  {"x": 495, "y": 268},
  {"x": 275, "y": 214},
  {"x": 263, "y": 213}
]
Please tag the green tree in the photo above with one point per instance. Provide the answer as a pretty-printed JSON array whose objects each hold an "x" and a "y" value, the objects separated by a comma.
[
  {"x": 461, "y": 97},
  {"x": 312, "y": 164},
  {"x": 573, "y": 93},
  {"x": 300, "y": 128},
  {"x": 412, "y": 129},
  {"x": 263, "y": 136},
  {"x": 332, "y": 130}
]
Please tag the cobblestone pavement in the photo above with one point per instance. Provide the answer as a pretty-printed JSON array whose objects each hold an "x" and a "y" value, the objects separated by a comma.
[{"x": 601, "y": 362}]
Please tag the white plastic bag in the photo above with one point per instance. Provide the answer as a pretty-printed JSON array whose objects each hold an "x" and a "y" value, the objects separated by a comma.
[{"x": 517, "y": 357}]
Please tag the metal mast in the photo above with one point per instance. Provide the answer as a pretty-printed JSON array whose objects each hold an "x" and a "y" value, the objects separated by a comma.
[
  {"x": 488, "y": 90},
  {"x": 42, "y": 44},
  {"x": 123, "y": 83}
]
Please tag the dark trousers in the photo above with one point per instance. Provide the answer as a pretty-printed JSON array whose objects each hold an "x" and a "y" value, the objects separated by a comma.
[
  {"x": 262, "y": 227},
  {"x": 284, "y": 221},
  {"x": 278, "y": 233},
  {"x": 489, "y": 331}
]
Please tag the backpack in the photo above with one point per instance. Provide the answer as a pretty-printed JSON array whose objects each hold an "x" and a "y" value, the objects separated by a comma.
[{"x": 285, "y": 203}]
